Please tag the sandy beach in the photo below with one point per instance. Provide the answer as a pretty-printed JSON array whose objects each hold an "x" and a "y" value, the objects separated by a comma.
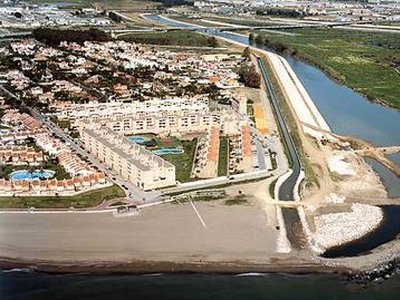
[{"x": 163, "y": 233}]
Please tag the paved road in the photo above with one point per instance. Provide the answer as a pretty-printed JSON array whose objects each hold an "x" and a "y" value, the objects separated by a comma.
[
  {"x": 286, "y": 191},
  {"x": 260, "y": 156}
]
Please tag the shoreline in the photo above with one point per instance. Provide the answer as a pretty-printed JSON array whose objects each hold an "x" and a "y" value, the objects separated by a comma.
[{"x": 168, "y": 267}]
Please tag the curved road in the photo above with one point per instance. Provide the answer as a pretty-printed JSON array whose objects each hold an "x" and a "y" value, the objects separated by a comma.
[{"x": 286, "y": 190}]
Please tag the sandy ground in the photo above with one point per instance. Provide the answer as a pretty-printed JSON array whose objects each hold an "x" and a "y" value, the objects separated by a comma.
[{"x": 163, "y": 233}]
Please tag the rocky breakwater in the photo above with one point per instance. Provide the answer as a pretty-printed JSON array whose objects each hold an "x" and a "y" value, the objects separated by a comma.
[
  {"x": 378, "y": 274},
  {"x": 336, "y": 229}
]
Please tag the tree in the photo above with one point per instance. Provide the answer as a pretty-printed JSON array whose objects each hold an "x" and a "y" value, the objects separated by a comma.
[
  {"x": 260, "y": 39},
  {"x": 247, "y": 52},
  {"x": 249, "y": 76},
  {"x": 213, "y": 42},
  {"x": 53, "y": 37},
  {"x": 113, "y": 16},
  {"x": 251, "y": 37}
]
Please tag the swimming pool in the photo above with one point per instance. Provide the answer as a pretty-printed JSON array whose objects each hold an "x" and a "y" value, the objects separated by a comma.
[
  {"x": 137, "y": 139},
  {"x": 25, "y": 174},
  {"x": 164, "y": 151}
]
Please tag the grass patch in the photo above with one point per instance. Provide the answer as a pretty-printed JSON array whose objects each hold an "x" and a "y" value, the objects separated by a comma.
[
  {"x": 237, "y": 200},
  {"x": 84, "y": 200},
  {"x": 6, "y": 170},
  {"x": 60, "y": 171},
  {"x": 181, "y": 38},
  {"x": 364, "y": 61},
  {"x": 64, "y": 124},
  {"x": 223, "y": 156},
  {"x": 183, "y": 162}
]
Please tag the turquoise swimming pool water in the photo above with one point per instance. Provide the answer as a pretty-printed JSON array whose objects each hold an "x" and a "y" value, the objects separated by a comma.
[
  {"x": 167, "y": 151},
  {"x": 137, "y": 139},
  {"x": 25, "y": 174}
]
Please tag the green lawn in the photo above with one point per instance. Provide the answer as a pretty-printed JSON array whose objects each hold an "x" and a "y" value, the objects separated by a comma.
[
  {"x": 223, "y": 156},
  {"x": 363, "y": 61},
  {"x": 63, "y": 123},
  {"x": 183, "y": 162},
  {"x": 88, "y": 199},
  {"x": 6, "y": 170}
]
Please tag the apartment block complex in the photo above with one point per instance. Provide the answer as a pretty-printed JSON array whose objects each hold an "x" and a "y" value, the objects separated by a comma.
[
  {"x": 130, "y": 160},
  {"x": 158, "y": 116}
]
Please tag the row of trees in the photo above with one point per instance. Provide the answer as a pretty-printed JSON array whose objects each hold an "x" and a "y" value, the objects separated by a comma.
[
  {"x": 53, "y": 37},
  {"x": 180, "y": 38},
  {"x": 170, "y": 3},
  {"x": 114, "y": 17},
  {"x": 291, "y": 13},
  {"x": 277, "y": 46}
]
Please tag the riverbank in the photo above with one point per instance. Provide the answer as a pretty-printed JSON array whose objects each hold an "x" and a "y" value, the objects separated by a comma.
[{"x": 356, "y": 60}]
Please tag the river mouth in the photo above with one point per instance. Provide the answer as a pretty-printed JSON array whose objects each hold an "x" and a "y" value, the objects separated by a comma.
[
  {"x": 293, "y": 227},
  {"x": 390, "y": 181},
  {"x": 388, "y": 230}
]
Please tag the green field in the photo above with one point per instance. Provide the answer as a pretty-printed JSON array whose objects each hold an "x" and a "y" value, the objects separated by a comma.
[
  {"x": 364, "y": 61},
  {"x": 223, "y": 156},
  {"x": 181, "y": 38},
  {"x": 183, "y": 162},
  {"x": 88, "y": 199}
]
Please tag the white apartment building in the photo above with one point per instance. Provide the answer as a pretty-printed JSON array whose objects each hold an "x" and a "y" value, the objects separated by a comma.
[
  {"x": 131, "y": 161},
  {"x": 158, "y": 116},
  {"x": 93, "y": 111}
]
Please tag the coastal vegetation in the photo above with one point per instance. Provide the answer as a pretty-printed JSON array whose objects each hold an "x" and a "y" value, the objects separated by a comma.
[
  {"x": 367, "y": 62},
  {"x": 180, "y": 38},
  {"x": 84, "y": 200}
]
